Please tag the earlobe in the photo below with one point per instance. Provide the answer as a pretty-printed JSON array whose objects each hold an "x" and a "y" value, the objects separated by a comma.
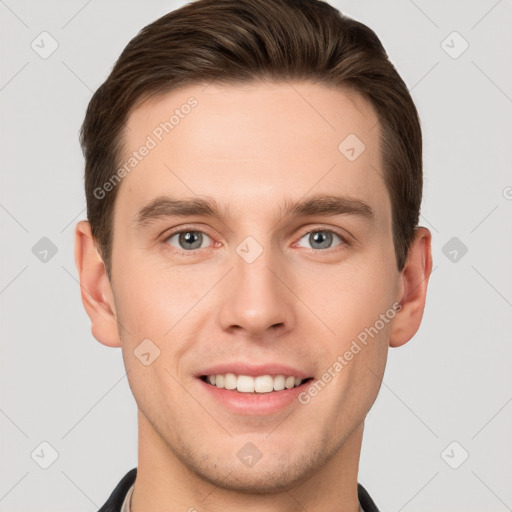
[
  {"x": 413, "y": 289},
  {"x": 95, "y": 288}
]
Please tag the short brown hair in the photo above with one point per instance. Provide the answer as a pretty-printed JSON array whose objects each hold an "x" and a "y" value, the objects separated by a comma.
[{"x": 233, "y": 41}]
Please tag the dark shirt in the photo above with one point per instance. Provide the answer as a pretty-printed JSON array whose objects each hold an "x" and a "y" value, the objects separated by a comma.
[{"x": 116, "y": 499}]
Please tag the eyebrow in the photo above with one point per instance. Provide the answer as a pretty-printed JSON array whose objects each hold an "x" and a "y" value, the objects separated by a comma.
[{"x": 320, "y": 204}]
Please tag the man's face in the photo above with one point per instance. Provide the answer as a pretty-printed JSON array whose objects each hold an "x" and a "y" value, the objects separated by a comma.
[{"x": 254, "y": 288}]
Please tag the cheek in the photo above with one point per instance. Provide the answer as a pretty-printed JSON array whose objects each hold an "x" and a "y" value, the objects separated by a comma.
[
  {"x": 151, "y": 310},
  {"x": 357, "y": 306},
  {"x": 149, "y": 299},
  {"x": 161, "y": 305},
  {"x": 350, "y": 296}
]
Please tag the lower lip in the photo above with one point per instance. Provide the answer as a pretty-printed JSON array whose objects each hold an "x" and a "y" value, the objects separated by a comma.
[{"x": 255, "y": 403}]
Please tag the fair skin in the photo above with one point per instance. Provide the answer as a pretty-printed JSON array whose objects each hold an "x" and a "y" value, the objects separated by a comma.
[{"x": 300, "y": 303}]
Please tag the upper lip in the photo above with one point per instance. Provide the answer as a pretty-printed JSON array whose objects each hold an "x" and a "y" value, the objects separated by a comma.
[{"x": 253, "y": 370}]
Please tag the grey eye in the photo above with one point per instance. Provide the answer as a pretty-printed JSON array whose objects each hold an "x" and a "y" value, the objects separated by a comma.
[
  {"x": 320, "y": 239},
  {"x": 188, "y": 240}
]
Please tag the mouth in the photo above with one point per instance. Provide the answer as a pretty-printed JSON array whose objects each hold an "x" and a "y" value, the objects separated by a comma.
[{"x": 254, "y": 385}]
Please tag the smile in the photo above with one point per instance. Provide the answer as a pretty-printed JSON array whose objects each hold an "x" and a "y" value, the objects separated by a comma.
[{"x": 257, "y": 384}]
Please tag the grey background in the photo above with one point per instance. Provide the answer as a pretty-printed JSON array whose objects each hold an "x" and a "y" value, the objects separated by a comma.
[{"x": 452, "y": 382}]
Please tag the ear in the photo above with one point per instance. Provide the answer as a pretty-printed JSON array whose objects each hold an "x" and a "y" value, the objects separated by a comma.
[
  {"x": 96, "y": 291},
  {"x": 413, "y": 289}
]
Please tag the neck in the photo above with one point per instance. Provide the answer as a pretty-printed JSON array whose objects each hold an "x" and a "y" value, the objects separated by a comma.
[{"x": 164, "y": 483}]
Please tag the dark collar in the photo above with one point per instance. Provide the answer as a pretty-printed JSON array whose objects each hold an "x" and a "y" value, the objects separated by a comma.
[{"x": 116, "y": 499}]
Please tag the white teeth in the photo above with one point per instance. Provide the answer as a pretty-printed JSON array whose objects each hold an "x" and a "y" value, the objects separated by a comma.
[
  {"x": 279, "y": 383},
  {"x": 289, "y": 382},
  {"x": 259, "y": 384},
  {"x": 263, "y": 384},
  {"x": 230, "y": 381},
  {"x": 245, "y": 384}
]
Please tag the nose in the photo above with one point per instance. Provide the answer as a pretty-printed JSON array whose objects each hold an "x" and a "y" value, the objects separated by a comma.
[{"x": 258, "y": 299}]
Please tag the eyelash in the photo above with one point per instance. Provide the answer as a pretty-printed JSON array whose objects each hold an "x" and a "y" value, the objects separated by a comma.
[{"x": 344, "y": 242}]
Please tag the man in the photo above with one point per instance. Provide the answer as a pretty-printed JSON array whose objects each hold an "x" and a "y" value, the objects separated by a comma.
[{"x": 274, "y": 139}]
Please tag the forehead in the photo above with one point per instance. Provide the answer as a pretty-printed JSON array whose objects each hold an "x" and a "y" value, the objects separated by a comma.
[{"x": 252, "y": 144}]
